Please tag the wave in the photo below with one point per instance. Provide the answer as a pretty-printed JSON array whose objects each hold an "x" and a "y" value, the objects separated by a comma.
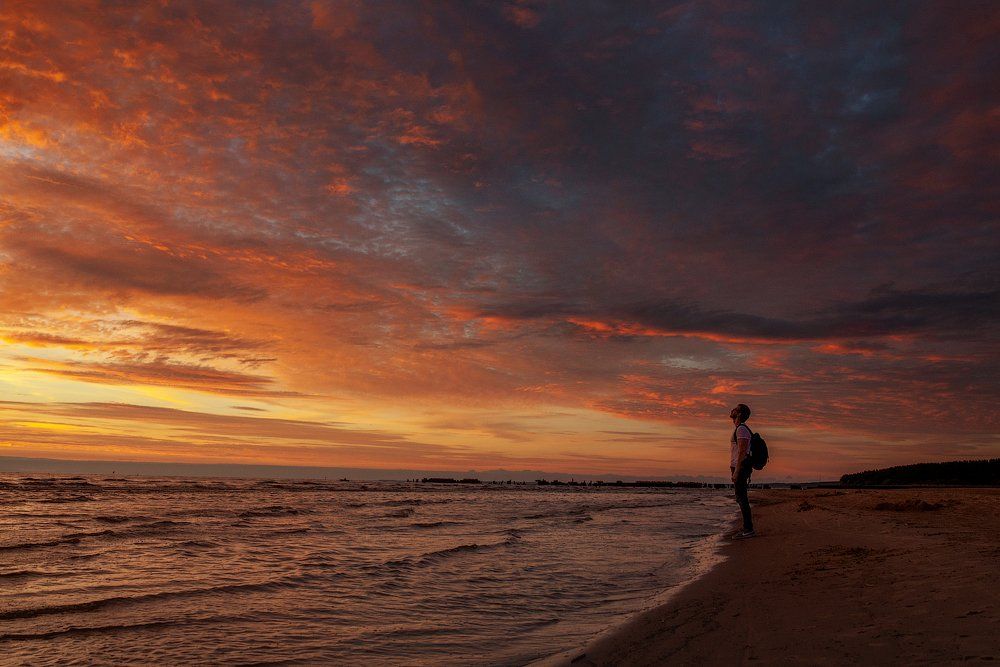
[
  {"x": 88, "y": 556},
  {"x": 432, "y": 557},
  {"x": 434, "y": 524},
  {"x": 69, "y": 499},
  {"x": 16, "y": 574},
  {"x": 206, "y": 544},
  {"x": 461, "y": 548},
  {"x": 272, "y": 510},
  {"x": 290, "y": 531},
  {"x": 588, "y": 510},
  {"x": 76, "y": 538},
  {"x": 403, "y": 512},
  {"x": 296, "y": 486},
  {"x": 57, "y": 481},
  {"x": 397, "y": 503},
  {"x": 96, "y": 630},
  {"x": 112, "y": 518},
  {"x": 162, "y": 523},
  {"x": 40, "y": 545},
  {"x": 45, "y": 515},
  {"x": 103, "y": 603},
  {"x": 132, "y": 531},
  {"x": 99, "y": 533}
]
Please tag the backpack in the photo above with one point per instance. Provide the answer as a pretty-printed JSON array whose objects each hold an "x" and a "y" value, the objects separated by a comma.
[
  {"x": 758, "y": 449},
  {"x": 758, "y": 452}
]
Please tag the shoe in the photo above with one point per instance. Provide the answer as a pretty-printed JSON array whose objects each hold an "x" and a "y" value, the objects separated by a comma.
[{"x": 744, "y": 534}]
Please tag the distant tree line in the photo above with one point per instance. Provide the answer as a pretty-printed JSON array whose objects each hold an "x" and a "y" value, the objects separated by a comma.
[{"x": 953, "y": 473}]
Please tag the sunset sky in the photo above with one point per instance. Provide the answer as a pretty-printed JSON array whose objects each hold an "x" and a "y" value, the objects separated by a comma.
[{"x": 562, "y": 236}]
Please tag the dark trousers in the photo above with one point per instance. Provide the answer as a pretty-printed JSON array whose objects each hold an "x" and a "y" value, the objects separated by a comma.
[{"x": 742, "y": 482}]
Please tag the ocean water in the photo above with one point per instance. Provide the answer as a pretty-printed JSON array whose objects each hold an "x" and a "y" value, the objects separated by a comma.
[{"x": 98, "y": 570}]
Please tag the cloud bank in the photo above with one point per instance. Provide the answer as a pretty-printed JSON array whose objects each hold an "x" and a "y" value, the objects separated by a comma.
[{"x": 487, "y": 214}]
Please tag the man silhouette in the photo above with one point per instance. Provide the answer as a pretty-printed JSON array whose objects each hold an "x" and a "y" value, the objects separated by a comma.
[{"x": 739, "y": 465}]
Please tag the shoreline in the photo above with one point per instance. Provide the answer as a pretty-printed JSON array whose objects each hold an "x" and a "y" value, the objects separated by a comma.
[
  {"x": 834, "y": 576},
  {"x": 714, "y": 556}
]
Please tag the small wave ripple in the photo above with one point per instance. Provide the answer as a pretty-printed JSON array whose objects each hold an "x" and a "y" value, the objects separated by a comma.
[{"x": 103, "y": 603}]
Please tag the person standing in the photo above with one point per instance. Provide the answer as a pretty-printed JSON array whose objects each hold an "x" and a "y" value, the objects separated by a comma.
[{"x": 740, "y": 467}]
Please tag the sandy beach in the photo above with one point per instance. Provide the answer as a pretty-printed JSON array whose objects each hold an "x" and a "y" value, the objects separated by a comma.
[{"x": 834, "y": 577}]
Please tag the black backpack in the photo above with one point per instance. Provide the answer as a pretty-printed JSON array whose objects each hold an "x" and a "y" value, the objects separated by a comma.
[
  {"x": 758, "y": 452},
  {"x": 758, "y": 449}
]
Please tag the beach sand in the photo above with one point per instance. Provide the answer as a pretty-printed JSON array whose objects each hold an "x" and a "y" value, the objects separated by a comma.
[{"x": 834, "y": 577}]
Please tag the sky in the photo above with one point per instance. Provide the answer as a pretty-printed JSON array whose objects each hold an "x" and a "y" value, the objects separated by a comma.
[{"x": 563, "y": 236}]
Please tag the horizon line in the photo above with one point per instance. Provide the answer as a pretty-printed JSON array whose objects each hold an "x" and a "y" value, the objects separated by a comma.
[{"x": 11, "y": 464}]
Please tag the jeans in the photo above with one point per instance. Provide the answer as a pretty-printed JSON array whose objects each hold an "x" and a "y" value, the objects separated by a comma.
[{"x": 742, "y": 481}]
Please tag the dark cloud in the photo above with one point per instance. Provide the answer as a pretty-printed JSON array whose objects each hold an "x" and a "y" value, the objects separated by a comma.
[
  {"x": 159, "y": 336},
  {"x": 887, "y": 312},
  {"x": 43, "y": 339},
  {"x": 131, "y": 270},
  {"x": 935, "y": 313}
]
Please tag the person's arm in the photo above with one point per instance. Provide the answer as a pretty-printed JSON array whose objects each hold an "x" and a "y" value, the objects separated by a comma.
[{"x": 742, "y": 450}]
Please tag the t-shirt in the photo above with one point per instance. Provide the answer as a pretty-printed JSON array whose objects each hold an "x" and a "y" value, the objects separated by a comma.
[{"x": 743, "y": 433}]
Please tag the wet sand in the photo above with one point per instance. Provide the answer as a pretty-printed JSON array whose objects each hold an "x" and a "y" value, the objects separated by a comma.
[{"x": 834, "y": 577}]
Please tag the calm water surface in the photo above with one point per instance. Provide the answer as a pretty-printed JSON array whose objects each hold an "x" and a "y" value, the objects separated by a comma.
[{"x": 96, "y": 570}]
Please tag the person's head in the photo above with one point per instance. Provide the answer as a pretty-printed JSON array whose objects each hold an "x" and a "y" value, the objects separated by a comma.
[{"x": 740, "y": 413}]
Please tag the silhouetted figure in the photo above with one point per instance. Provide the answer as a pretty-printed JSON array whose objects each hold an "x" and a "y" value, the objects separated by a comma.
[{"x": 739, "y": 465}]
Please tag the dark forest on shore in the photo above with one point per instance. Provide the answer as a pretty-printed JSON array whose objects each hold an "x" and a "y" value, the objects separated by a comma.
[{"x": 952, "y": 473}]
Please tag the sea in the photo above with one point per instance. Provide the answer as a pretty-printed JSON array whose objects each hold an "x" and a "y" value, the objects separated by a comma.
[{"x": 194, "y": 571}]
